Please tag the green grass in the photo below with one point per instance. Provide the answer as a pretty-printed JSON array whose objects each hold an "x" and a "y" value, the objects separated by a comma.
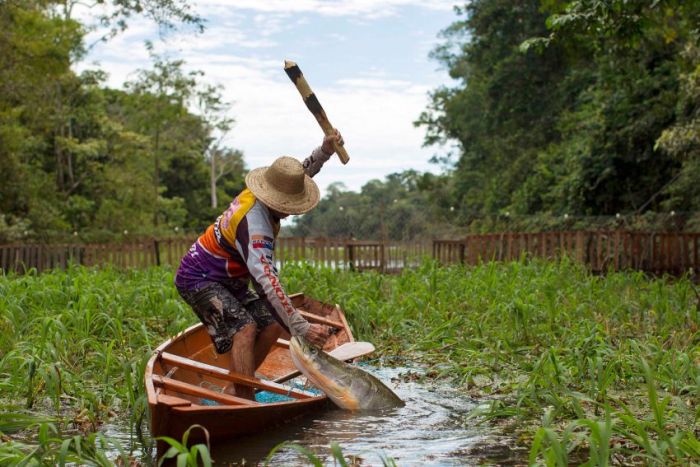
[
  {"x": 579, "y": 368},
  {"x": 73, "y": 345}
]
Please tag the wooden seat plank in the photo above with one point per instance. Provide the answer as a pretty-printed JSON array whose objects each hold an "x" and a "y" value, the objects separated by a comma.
[
  {"x": 217, "y": 372},
  {"x": 284, "y": 343},
  {"x": 193, "y": 390},
  {"x": 173, "y": 401}
]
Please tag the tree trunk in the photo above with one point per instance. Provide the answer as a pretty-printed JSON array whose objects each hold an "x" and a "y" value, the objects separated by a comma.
[
  {"x": 156, "y": 175},
  {"x": 60, "y": 174},
  {"x": 212, "y": 178},
  {"x": 69, "y": 158},
  {"x": 59, "y": 167}
]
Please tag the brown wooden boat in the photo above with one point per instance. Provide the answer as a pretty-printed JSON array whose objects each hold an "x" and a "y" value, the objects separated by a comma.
[{"x": 185, "y": 376}]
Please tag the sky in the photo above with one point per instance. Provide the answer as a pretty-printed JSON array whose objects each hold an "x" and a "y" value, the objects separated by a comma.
[{"x": 366, "y": 60}]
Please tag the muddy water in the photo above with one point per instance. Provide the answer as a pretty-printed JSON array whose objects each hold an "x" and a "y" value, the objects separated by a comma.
[{"x": 432, "y": 429}]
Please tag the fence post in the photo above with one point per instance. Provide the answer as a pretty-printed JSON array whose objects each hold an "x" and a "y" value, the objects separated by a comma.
[
  {"x": 351, "y": 254},
  {"x": 382, "y": 256},
  {"x": 156, "y": 251},
  {"x": 616, "y": 259}
]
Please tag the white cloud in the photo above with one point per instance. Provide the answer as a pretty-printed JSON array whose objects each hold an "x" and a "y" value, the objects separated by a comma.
[
  {"x": 373, "y": 110},
  {"x": 375, "y": 118},
  {"x": 360, "y": 8},
  {"x": 373, "y": 83}
]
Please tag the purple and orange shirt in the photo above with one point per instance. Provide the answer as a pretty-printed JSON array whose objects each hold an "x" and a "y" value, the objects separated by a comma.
[{"x": 239, "y": 247}]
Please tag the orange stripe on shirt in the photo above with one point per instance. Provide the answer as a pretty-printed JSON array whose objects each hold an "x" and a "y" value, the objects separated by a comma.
[
  {"x": 228, "y": 224},
  {"x": 208, "y": 241}
]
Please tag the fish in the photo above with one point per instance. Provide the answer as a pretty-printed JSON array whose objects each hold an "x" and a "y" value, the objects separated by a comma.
[{"x": 346, "y": 385}]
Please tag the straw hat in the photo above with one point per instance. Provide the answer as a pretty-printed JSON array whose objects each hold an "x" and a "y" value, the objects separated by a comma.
[{"x": 284, "y": 186}]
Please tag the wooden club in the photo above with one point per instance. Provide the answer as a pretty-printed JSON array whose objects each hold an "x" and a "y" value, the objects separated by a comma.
[{"x": 312, "y": 103}]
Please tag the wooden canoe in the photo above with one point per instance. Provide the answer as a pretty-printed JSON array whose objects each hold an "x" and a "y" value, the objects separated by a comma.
[{"x": 185, "y": 375}]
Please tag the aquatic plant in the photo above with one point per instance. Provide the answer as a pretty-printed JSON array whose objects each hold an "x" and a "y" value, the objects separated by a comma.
[
  {"x": 313, "y": 458},
  {"x": 184, "y": 455},
  {"x": 612, "y": 361},
  {"x": 609, "y": 363},
  {"x": 51, "y": 447},
  {"x": 74, "y": 344}
]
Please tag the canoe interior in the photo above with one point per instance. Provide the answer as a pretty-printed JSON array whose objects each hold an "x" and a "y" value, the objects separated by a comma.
[{"x": 184, "y": 380}]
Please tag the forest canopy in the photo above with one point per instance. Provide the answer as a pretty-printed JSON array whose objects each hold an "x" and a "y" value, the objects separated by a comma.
[
  {"x": 561, "y": 114},
  {"x": 79, "y": 157},
  {"x": 566, "y": 114}
]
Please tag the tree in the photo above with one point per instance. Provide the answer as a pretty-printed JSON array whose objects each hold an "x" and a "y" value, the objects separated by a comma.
[
  {"x": 504, "y": 108},
  {"x": 222, "y": 161},
  {"x": 77, "y": 157},
  {"x": 634, "y": 97},
  {"x": 575, "y": 107},
  {"x": 113, "y": 16},
  {"x": 35, "y": 56},
  {"x": 161, "y": 96},
  {"x": 404, "y": 206},
  {"x": 682, "y": 140}
]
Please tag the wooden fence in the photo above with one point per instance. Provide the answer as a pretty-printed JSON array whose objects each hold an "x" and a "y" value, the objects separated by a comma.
[
  {"x": 332, "y": 253},
  {"x": 359, "y": 255},
  {"x": 673, "y": 253},
  {"x": 137, "y": 254}
]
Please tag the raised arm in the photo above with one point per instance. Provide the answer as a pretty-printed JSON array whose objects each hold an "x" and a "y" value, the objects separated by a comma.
[{"x": 319, "y": 156}]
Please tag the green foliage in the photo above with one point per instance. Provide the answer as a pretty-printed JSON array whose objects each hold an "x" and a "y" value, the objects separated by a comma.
[
  {"x": 51, "y": 448},
  {"x": 586, "y": 107},
  {"x": 77, "y": 156},
  {"x": 184, "y": 456},
  {"x": 404, "y": 206},
  {"x": 609, "y": 364},
  {"x": 505, "y": 107},
  {"x": 114, "y": 320}
]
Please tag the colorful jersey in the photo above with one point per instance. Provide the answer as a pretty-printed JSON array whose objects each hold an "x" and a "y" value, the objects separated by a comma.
[{"x": 239, "y": 246}]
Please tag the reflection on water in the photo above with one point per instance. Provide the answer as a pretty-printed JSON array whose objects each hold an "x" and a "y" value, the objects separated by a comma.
[{"x": 429, "y": 430}]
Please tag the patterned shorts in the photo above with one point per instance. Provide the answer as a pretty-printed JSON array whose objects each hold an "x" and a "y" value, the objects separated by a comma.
[{"x": 224, "y": 315}]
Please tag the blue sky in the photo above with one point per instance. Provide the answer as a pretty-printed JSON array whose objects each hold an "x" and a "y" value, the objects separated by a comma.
[{"x": 366, "y": 60}]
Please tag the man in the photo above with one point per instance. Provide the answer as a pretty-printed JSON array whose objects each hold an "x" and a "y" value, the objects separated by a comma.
[{"x": 238, "y": 247}]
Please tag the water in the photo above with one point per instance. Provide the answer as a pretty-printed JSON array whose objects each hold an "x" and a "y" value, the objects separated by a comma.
[{"x": 432, "y": 429}]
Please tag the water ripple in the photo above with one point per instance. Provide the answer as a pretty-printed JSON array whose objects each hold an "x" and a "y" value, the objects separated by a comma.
[{"x": 428, "y": 430}]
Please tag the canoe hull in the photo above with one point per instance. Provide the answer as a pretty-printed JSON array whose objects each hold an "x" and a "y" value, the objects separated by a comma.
[
  {"x": 224, "y": 423},
  {"x": 173, "y": 410}
]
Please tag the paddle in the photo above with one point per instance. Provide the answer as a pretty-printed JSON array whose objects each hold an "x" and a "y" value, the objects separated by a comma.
[
  {"x": 345, "y": 352},
  {"x": 351, "y": 350}
]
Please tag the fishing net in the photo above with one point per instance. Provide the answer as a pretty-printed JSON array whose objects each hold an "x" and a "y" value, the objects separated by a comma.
[{"x": 267, "y": 397}]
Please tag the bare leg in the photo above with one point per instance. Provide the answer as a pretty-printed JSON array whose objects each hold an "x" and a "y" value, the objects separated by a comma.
[
  {"x": 267, "y": 337},
  {"x": 243, "y": 360}
]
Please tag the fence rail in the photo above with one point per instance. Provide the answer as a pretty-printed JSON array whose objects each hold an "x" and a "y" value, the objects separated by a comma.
[
  {"x": 144, "y": 253},
  {"x": 332, "y": 253},
  {"x": 673, "y": 253}
]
